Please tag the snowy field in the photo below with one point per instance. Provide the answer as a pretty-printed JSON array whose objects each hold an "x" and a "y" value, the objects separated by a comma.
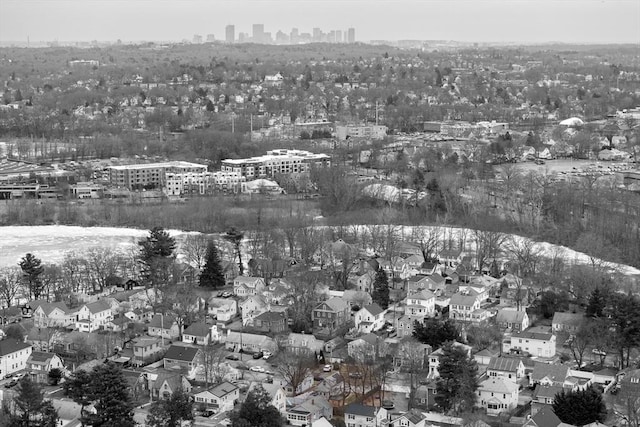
[{"x": 50, "y": 242}]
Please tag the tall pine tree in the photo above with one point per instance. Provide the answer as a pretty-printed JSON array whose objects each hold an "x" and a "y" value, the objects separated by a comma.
[
  {"x": 456, "y": 387},
  {"x": 380, "y": 294},
  {"x": 112, "y": 401},
  {"x": 31, "y": 270},
  {"x": 211, "y": 275},
  {"x": 171, "y": 412},
  {"x": 31, "y": 407},
  {"x": 257, "y": 410},
  {"x": 596, "y": 303}
]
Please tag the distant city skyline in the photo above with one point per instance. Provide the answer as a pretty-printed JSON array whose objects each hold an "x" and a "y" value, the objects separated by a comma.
[{"x": 519, "y": 21}]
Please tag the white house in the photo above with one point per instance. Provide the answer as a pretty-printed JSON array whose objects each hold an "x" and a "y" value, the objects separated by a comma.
[
  {"x": 13, "y": 357},
  {"x": 197, "y": 333},
  {"x": 55, "y": 314},
  {"x": 244, "y": 286},
  {"x": 305, "y": 384},
  {"x": 420, "y": 304},
  {"x": 497, "y": 395},
  {"x": 412, "y": 418},
  {"x": 164, "y": 327},
  {"x": 93, "y": 316},
  {"x": 222, "y": 309},
  {"x": 369, "y": 318},
  {"x": 507, "y": 368},
  {"x": 462, "y": 306},
  {"x": 534, "y": 343},
  {"x": 223, "y": 397},
  {"x": 251, "y": 307},
  {"x": 358, "y": 415},
  {"x": 40, "y": 363}
]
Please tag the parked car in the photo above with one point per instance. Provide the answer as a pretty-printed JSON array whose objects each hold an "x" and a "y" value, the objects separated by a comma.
[
  {"x": 327, "y": 368},
  {"x": 226, "y": 294},
  {"x": 355, "y": 374},
  {"x": 232, "y": 357},
  {"x": 208, "y": 413},
  {"x": 599, "y": 352},
  {"x": 258, "y": 355},
  {"x": 266, "y": 354},
  {"x": 257, "y": 369},
  {"x": 11, "y": 383}
]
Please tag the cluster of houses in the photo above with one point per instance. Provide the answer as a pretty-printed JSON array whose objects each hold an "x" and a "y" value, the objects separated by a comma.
[{"x": 160, "y": 354}]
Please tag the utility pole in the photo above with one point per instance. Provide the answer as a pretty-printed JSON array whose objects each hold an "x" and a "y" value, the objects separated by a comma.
[
  {"x": 376, "y": 113},
  {"x": 233, "y": 122}
]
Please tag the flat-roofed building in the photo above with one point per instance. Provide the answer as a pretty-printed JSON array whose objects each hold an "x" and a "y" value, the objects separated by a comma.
[
  {"x": 149, "y": 175},
  {"x": 280, "y": 161}
]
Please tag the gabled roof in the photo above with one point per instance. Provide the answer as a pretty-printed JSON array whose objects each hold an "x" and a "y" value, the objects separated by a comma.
[
  {"x": 49, "y": 307},
  {"x": 40, "y": 356},
  {"x": 245, "y": 280},
  {"x": 335, "y": 303},
  {"x": 413, "y": 416},
  {"x": 461, "y": 299},
  {"x": 498, "y": 385},
  {"x": 178, "y": 352},
  {"x": 197, "y": 329},
  {"x": 424, "y": 295},
  {"x": 545, "y": 392},
  {"x": 533, "y": 335},
  {"x": 555, "y": 372},
  {"x": 223, "y": 389},
  {"x": 545, "y": 417},
  {"x": 374, "y": 309},
  {"x": 162, "y": 321},
  {"x": 98, "y": 306},
  {"x": 510, "y": 316},
  {"x": 10, "y": 346},
  {"x": 269, "y": 316},
  {"x": 569, "y": 319},
  {"x": 359, "y": 409},
  {"x": 507, "y": 364}
]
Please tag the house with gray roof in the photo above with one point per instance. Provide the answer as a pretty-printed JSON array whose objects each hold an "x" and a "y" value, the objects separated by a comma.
[
  {"x": 514, "y": 320},
  {"x": 508, "y": 368},
  {"x": 549, "y": 374},
  {"x": 364, "y": 416},
  {"x": 197, "y": 333},
  {"x": 330, "y": 316},
  {"x": 566, "y": 322}
]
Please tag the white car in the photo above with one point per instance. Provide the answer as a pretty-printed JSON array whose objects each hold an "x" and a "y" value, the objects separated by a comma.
[
  {"x": 327, "y": 368},
  {"x": 257, "y": 369}
]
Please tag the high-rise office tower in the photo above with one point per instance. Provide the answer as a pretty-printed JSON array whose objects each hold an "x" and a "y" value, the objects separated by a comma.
[
  {"x": 242, "y": 37},
  {"x": 197, "y": 39},
  {"x": 317, "y": 35},
  {"x": 230, "y": 33},
  {"x": 294, "y": 37},
  {"x": 338, "y": 36},
  {"x": 211, "y": 38},
  {"x": 351, "y": 35},
  {"x": 258, "y": 33}
]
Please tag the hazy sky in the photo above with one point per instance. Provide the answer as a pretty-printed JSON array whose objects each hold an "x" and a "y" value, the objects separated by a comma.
[{"x": 582, "y": 21}]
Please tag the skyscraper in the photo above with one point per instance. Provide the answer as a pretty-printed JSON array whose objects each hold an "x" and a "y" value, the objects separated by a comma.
[
  {"x": 258, "y": 33},
  {"x": 294, "y": 37},
  {"x": 338, "y": 36},
  {"x": 351, "y": 35},
  {"x": 230, "y": 33}
]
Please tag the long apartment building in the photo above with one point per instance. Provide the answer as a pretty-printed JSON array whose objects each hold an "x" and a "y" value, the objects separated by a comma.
[
  {"x": 149, "y": 175},
  {"x": 275, "y": 162},
  {"x": 178, "y": 184}
]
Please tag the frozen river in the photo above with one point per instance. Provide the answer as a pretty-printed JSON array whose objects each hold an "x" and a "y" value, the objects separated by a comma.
[{"x": 50, "y": 242}]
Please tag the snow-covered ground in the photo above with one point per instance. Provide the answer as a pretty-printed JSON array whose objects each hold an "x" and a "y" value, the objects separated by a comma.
[{"x": 50, "y": 242}]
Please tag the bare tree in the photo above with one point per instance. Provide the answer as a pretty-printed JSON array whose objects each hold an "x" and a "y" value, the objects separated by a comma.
[
  {"x": 194, "y": 249},
  {"x": 10, "y": 284},
  {"x": 412, "y": 354},
  {"x": 100, "y": 264},
  {"x": 428, "y": 238},
  {"x": 580, "y": 341},
  {"x": 295, "y": 367},
  {"x": 214, "y": 366},
  {"x": 488, "y": 246}
]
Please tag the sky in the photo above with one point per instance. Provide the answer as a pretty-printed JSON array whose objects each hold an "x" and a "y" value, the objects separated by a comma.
[{"x": 524, "y": 21}]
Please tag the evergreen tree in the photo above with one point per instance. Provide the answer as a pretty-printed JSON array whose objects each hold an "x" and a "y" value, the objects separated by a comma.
[
  {"x": 171, "y": 412},
  {"x": 435, "y": 332},
  {"x": 31, "y": 270},
  {"x": 78, "y": 388},
  {"x": 596, "y": 304},
  {"x": 580, "y": 407},
  {"x": 110, "y": 397},
  {"x": 156, "y": 256},
  {"x": 257, "y": 411},
  {"x": 31, "y": 408},
  {"x": 380, "y": 294},
  {"x": 211, "y": 276},
  {"x": 456, "y": 387},
  {"x": 55, "y": 375}
]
